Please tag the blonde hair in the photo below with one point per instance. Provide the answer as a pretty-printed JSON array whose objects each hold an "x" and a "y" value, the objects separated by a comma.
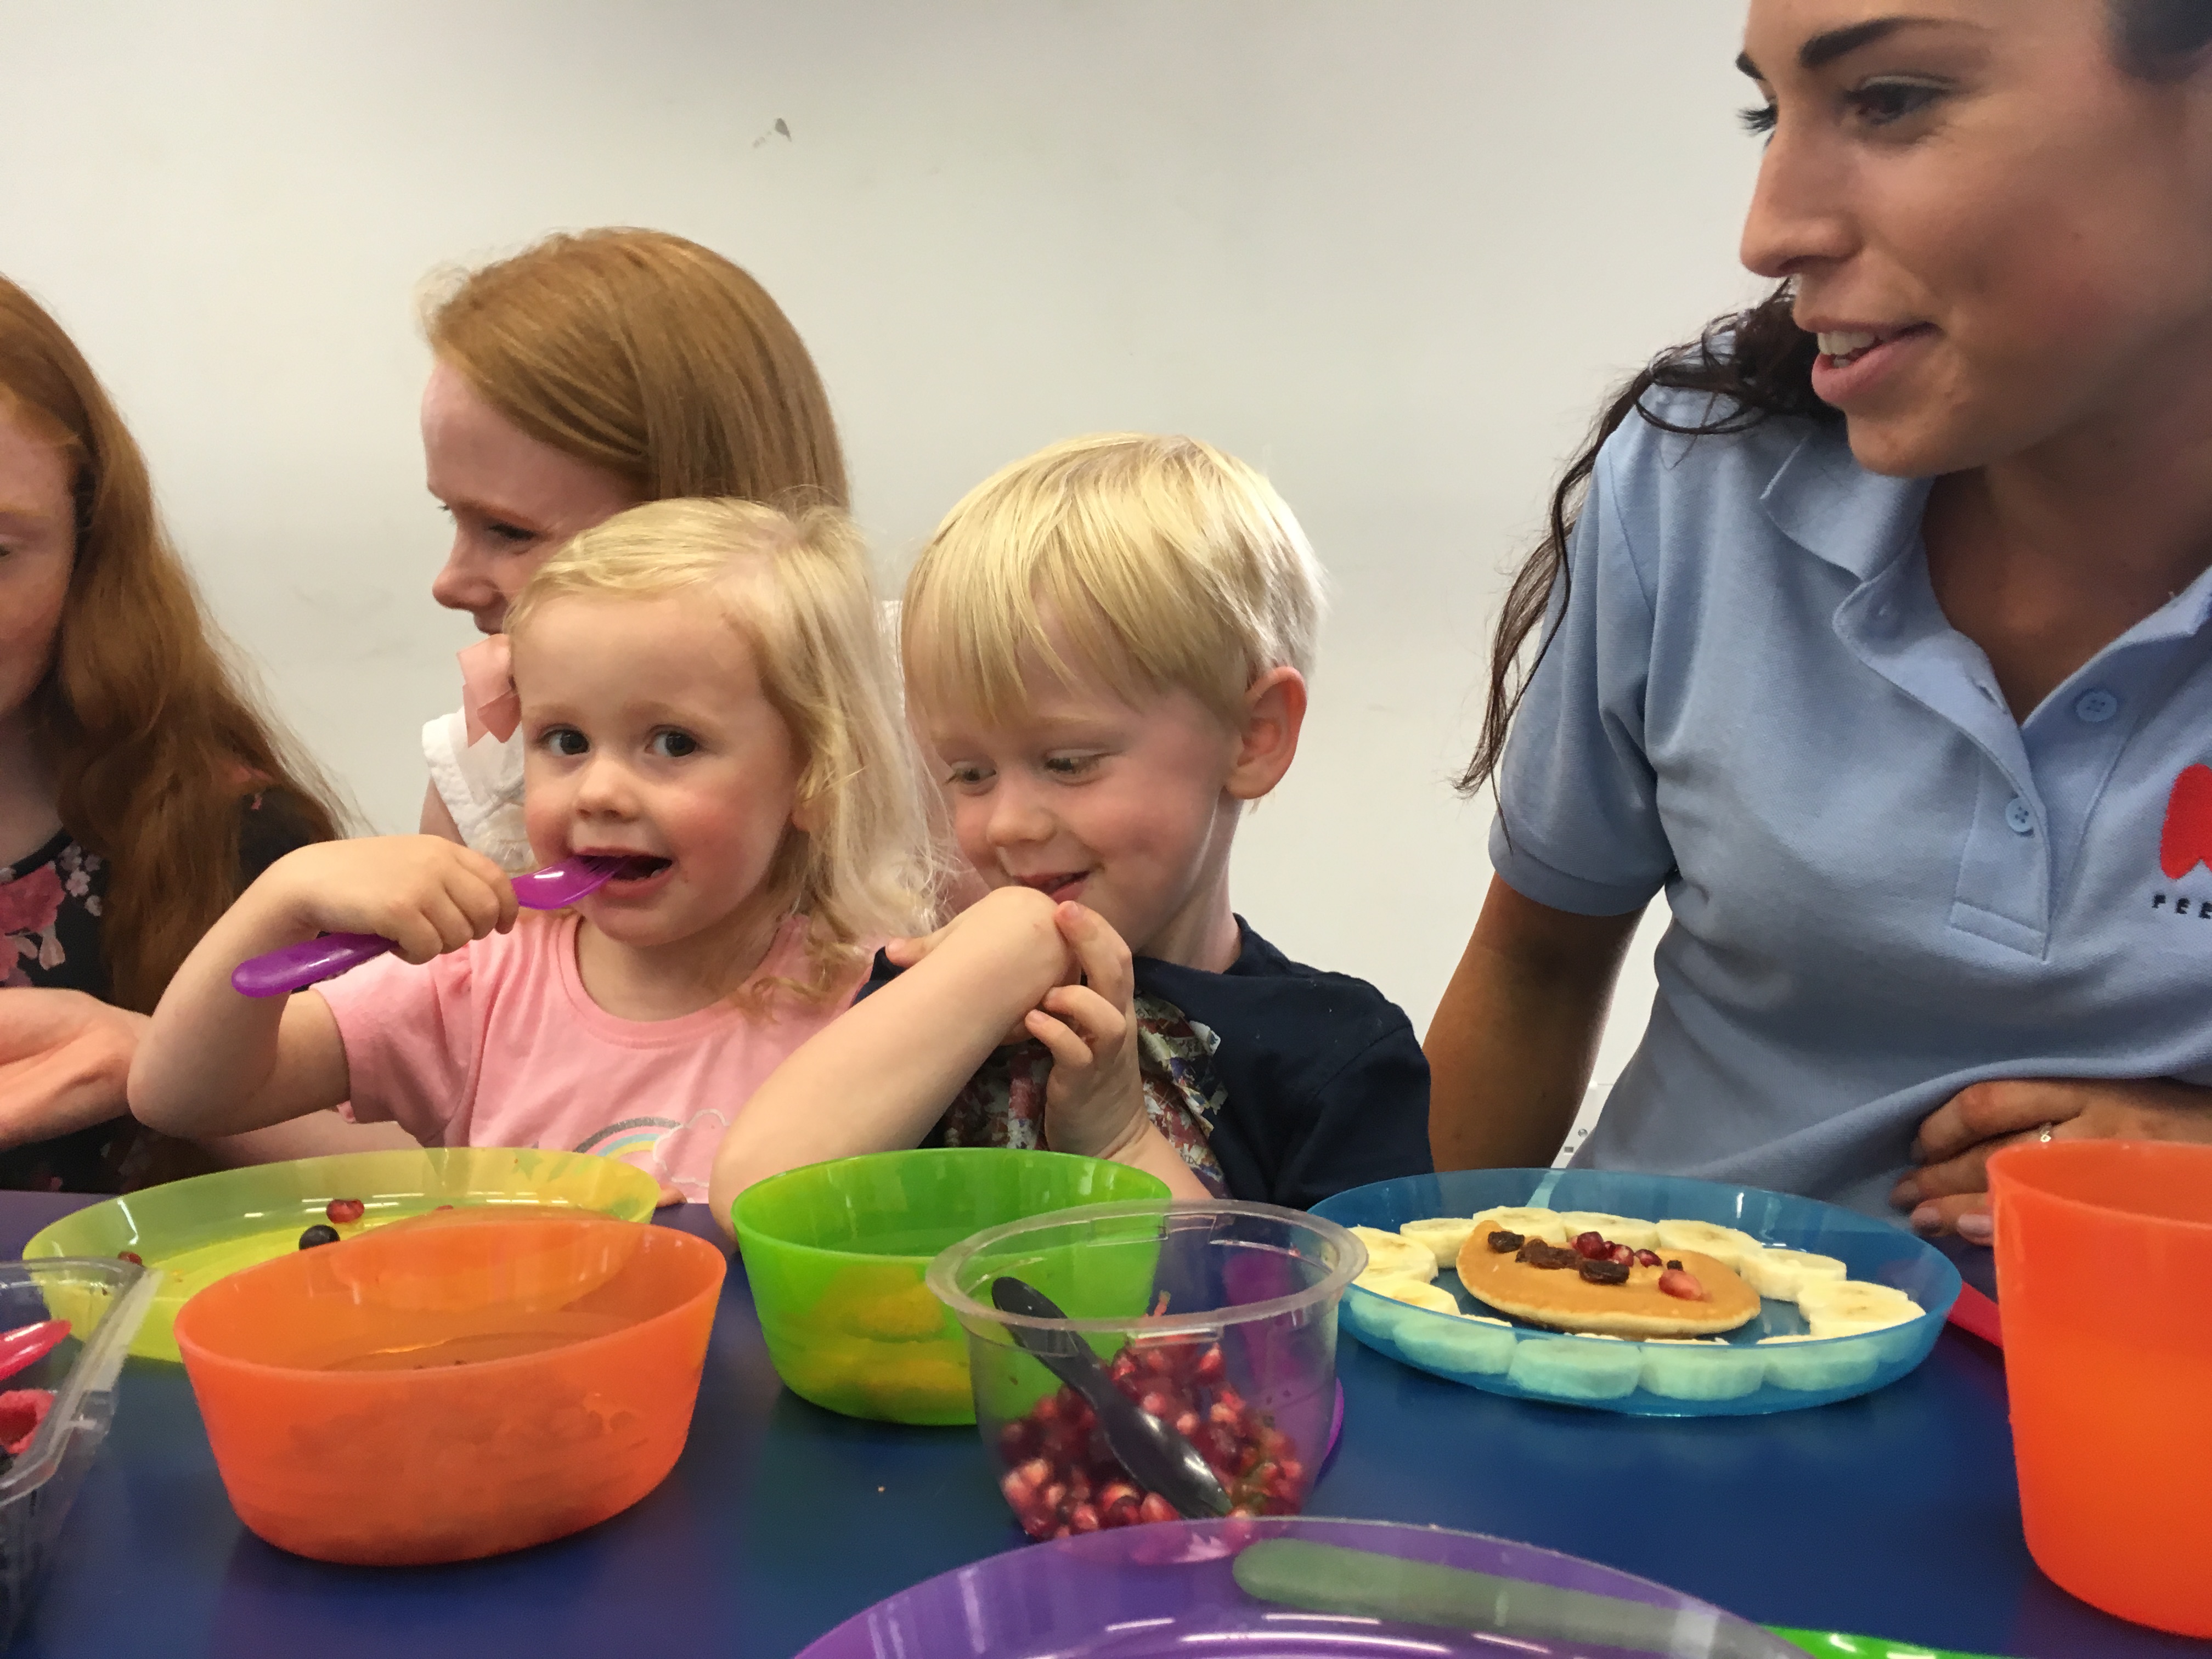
[
  {"x": 1160, "y": 562},
  {"x": 651, "y": 357},
  {"x": 796, "y": 586}
]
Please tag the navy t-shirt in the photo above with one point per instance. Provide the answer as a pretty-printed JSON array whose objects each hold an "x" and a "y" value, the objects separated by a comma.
[{"x": 1300, "y": 1083}]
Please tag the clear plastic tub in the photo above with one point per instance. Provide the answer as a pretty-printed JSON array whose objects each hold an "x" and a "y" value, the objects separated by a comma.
[
  {"x": 1243, "y": 1342},
  {"x": 1737, "y": 1376},
  {"x": 104, "y": 1302}
]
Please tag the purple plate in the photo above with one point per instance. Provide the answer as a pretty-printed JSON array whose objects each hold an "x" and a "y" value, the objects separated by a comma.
[{"x": 1150, "y": 1592}]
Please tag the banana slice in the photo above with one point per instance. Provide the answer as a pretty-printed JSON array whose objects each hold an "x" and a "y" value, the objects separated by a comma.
[
  {"x": 1413, "y": 1292},
  {"x": 1723, "y": 1243},
  {"x": 1576, "y": 1368},
  {"x": 1393, "y": 1254},
  {"x": 1443, "y": 1235},
  {"x": 1817, "y": 1366},
  {"x": 1615, "y": 1229},
  {"x": 1469, "y": 1345},
  {"x": 1781, "y": 1273},
  {"x": 1851, "y": 1307},
  {"x": 1701, "y": 1369},
  {"x": 1529, "y": 1224}
]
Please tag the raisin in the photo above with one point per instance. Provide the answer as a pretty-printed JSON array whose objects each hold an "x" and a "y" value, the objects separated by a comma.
[
  {"x": 1602, "y": 1272},
  {"x": 1538, "y": 1254},
  {"x": 1501, "y": 1241}
]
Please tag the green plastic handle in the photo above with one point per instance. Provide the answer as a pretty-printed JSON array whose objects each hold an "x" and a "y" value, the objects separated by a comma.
[
  {"x": 1826, "y": 1645},
  {"x": 1328, "y": 1578}
]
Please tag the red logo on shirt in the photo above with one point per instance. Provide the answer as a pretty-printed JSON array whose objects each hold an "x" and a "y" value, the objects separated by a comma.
[{"x": 2186, "y": 840}]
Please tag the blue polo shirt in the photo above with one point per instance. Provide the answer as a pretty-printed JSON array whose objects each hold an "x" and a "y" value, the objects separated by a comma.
[{"x": 1882, "y": 888}]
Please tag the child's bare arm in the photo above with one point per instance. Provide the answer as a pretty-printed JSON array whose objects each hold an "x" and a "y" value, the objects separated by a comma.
[
  {"x": 214, "y": 1062},
  {"x": 878, "y": 1076}
]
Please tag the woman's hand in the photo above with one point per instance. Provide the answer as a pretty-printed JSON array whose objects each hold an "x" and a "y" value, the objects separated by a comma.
[
  {"x": 64, "y": 1058},
  {"x": 1950, "y": 1190},
  {"x": 426, "y": 895}
]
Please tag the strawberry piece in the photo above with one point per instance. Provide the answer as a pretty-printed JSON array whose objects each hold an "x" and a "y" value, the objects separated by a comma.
[
  {"x": 22, "y": 1411},
  {"x": 1679, "y": 1282}
]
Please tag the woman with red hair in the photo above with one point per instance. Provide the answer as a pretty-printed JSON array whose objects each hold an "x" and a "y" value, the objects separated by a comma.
[{"x": 140, "y": 788}]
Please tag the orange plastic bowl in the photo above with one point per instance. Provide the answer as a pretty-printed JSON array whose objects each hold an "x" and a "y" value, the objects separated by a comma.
[
  {"x": 437, "y": 1393},
  {"x": 2101, "y": 1248}
]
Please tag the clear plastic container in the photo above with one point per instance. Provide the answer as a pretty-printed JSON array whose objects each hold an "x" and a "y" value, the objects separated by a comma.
[
  {"x": 105, "y": 1303},
  {"x": 1223, "y": 1313},
  {"x": 1744, "y": 1375}
]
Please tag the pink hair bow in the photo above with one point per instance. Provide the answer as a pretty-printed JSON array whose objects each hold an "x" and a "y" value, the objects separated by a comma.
[{"x": 488, "y": 700}]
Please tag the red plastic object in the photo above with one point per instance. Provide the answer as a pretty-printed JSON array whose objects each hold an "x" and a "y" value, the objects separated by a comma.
[
  {"x": 29, "y": 1344},
  {"x": 1975, "y": 1312}
]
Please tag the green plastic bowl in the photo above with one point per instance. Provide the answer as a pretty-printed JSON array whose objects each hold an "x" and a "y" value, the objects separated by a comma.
[
  {"x": 199, "y": 1230},
  {"x": 835, "y": 1253}
]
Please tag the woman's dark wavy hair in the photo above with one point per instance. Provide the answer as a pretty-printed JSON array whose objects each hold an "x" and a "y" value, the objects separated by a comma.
[{"x": 1754, "y": 366}]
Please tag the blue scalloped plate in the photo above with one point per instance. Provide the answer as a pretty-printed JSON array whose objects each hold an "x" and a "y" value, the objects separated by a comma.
[{"x": 1737, "y": 1378}]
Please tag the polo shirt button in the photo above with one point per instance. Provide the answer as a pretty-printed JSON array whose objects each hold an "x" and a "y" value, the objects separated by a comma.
[
  {"x": 2096, "y": 706},
  {"x": 2020, "y": 818}
]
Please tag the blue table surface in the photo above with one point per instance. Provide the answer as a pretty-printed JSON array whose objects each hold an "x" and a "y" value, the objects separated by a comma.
[{"x": 1895, "y": 1515}]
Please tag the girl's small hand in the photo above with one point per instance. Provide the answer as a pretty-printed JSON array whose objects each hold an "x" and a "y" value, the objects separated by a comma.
[
  {"x": 1094, "y": 1099},
  {"x": 1017, "y": 932},
  {"x": 426, "y": 895}
]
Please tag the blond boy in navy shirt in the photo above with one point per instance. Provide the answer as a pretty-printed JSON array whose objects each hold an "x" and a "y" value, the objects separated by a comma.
[{"x": 1106, "y": 648}]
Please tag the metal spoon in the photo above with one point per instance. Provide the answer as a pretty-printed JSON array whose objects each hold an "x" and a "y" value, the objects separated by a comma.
[
  {"x": 296, "y": 967},
  {"x": 1157, "y": 1457}
]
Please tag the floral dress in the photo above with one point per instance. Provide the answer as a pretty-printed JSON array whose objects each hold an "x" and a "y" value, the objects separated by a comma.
[
  {"x": 51, "y": 905},
  {"x": 1003, "y": 1105}
]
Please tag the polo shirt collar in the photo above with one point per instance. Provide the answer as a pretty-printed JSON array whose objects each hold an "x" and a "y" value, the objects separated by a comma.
[{"x": 1834, "y": 508}]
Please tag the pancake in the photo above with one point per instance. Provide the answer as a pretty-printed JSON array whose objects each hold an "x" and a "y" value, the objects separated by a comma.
[{"x": 1561, "y": 1298}]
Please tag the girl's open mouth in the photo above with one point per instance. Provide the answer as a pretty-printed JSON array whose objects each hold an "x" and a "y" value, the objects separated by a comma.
[{"x": 638, "y": 867}]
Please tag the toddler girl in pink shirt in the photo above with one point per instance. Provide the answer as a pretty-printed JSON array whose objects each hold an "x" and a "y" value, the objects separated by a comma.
[{"x": 705, "y": 689}]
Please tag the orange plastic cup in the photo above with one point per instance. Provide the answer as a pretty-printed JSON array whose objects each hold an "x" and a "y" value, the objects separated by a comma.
[
  {"x": 2104, "y": 1253},
  {"x": 442, "y": 1393}
]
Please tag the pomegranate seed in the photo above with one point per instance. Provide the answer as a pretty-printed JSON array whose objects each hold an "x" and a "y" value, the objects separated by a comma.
[
  {"x": 1016, "y": 1491},
  {"x": 1272, "y": 1441},
  {"x": 1123, "y": 1367},
  {"x": 1062, "y": 1531},
  {"x": 1591, "y": 1246},
  {"x": 1677, "y": 1282},
  {"x": 1083, "y": 1518},
  {"x": 1211, "y": 1368},
  {"x": 1037, "y": 1526},
  {"x": 1155, "y": 1508},
  {"x": 344, "y": 1210},
  {"x": 1224, "y": 1414},
  {"x": 1230, "y": 1398},
  {"x": 131, "y": 1256},
  {"x": 1047, "y": 1411},
  {"x": 1157, "y": 1405},
  {"x": 1646, "y": 1258},
  {"x": 1293, "y": 1471},
  {"x": 1623, "y": 1256},
  {"x": 1187, "y": 1426},
  {"x": 1054, "y": 1496},
  {"x": 1034, "y": 1473}
]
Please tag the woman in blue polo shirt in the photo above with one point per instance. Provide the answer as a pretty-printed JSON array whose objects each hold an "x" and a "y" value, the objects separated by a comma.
[{"x": 1876, "y": 632}]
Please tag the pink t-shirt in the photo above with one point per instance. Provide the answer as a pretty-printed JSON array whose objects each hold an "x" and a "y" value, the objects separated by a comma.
[{"x": 498, "y": 1044}]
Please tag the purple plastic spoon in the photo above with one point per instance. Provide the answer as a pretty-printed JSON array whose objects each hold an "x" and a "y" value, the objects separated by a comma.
[
  {"x": 296, "y": 967},
  {"x": 29, "y": 1343}
]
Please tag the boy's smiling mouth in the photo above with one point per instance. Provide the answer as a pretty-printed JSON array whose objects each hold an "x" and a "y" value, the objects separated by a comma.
[{"x": 1057, "y": 885}]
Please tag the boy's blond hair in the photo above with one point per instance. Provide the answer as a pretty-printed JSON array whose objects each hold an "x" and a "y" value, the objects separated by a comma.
[
  {"x": 797, "y": 587},
  {"x": 1160, "y": 562}
]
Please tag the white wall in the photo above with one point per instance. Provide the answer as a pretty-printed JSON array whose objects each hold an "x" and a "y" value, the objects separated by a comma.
[{"x": 1394, "y": 252}]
